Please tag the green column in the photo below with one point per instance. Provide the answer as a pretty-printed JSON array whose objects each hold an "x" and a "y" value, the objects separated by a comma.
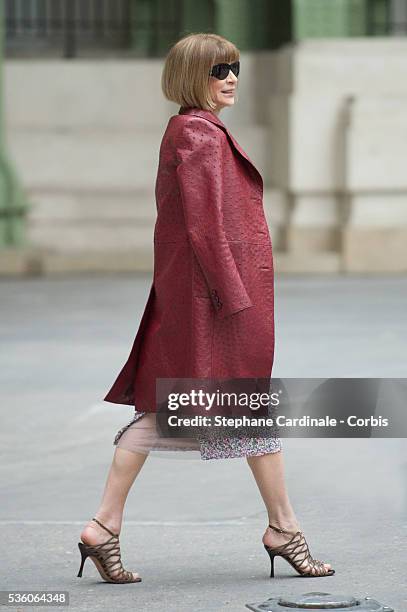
[
  {"x": 13, "y": 205},
  {"x": 233, "y": 21},
  {"x": 248, "y": 23},
  {"x": 333, "y": 19}
]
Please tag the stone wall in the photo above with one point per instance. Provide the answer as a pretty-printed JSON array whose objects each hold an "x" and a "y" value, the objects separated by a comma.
[{"x": 338, "y": 117}]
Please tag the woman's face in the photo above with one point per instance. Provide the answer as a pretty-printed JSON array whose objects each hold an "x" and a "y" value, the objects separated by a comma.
[{"x": 223, "y": 92}]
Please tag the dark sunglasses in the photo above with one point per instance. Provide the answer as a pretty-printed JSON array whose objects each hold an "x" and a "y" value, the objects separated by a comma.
[{"x": 221, "y": 71}]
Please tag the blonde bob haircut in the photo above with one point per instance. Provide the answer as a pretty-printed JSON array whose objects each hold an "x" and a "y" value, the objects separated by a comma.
[{"x": 185, "y": 77}]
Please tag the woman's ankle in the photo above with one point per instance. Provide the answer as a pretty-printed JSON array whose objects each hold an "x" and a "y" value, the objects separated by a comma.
[
  {"x": 283, "y": 521},
  {"x": 111, "y": 521}
]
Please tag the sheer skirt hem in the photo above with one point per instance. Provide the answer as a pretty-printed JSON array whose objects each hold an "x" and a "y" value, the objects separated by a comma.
[{"x": 141, "y": 435}]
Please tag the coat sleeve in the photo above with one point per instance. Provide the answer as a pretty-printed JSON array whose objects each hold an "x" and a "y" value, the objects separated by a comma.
[{"x": 199, "y": 172}]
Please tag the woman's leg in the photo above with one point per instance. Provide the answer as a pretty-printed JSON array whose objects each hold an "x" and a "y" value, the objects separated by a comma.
[
  {"x": 268, "y": 471},
  {"x": 123, "y": 471}
]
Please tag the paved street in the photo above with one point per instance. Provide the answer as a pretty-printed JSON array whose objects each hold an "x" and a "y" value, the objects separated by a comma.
[{"x": 192, "y": 528}]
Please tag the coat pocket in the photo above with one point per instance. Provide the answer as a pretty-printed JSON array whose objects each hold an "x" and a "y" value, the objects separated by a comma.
[{"x": 261, "y": 256}]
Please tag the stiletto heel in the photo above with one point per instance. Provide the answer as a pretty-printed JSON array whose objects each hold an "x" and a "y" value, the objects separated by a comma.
[
  {"x": 271, "y": 555},
  {"x": 297, "y": 547},
  {"x": 84, "y": 555},
  {"x": 100, "y": 553}
]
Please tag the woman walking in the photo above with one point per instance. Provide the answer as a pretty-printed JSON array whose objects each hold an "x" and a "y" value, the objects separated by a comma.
[{"x": 210, "y": 311}]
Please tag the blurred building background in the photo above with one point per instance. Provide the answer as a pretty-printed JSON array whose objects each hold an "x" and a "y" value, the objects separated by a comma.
[{"x": 321, "y": 110}]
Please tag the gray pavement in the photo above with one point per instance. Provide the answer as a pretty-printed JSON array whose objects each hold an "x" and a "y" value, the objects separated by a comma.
[{"x": 192, "y": 528}]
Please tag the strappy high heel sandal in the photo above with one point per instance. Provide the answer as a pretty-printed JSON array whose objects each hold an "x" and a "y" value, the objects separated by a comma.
[
  {"x": 100, "y": 553},
  {"x": 297, "y": 553}
]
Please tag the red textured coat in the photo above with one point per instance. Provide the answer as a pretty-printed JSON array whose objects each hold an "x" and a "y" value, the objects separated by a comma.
[{"x": 210, "y": 311}]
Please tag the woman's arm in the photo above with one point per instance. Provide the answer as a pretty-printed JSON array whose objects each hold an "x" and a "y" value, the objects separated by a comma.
[{"x": 199, "y": 149}]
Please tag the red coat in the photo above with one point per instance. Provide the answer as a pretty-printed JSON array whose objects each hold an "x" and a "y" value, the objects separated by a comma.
[{"x": 210, "y": 311}]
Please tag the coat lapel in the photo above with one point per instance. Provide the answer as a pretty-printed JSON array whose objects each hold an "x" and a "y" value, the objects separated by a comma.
[{"x": 215, "y": 119}]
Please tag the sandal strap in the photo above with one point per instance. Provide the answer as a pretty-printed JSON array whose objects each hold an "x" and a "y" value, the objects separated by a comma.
[
  {"x": 299, "y": 554},
  {"x": 104, "y": 527},
  {"x": 282, "y": 530},
  {"x": 105, "y": 552},
  {"x": 113, "y": 568}
]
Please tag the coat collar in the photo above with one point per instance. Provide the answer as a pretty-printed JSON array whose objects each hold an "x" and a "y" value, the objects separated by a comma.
[
  {"x": 200, "y": 112},
  {"x": 210, "y": 116}
]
